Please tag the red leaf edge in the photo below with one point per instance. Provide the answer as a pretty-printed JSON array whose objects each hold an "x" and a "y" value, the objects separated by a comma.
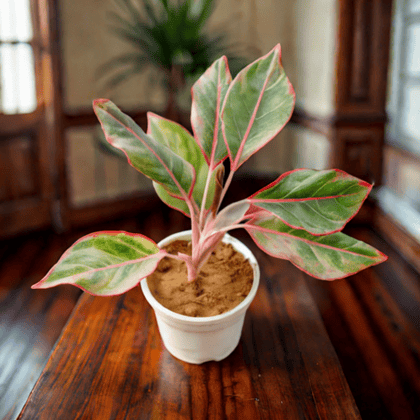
[
  {"x": 39, "y": 285},
  {"x": 291, "y": 91},
  {"x": 254, "y": 208},
  {"x": 96, "y": 102},
  {"x": 382, "y": 255},
  {"x": 217, "y": 117}
]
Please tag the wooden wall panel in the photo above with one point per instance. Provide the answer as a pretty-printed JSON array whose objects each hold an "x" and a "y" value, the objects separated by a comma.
[
  {"x": 362, "y": 58},
  {"x": 358, "y": 126},
  {"x": 19, "y": 168},
  {"x": 23, "y": 177},
  {"x": 358, "y": 150},
  {"x": 24, "y": 196},
  {"x": 360, "y": 44}
]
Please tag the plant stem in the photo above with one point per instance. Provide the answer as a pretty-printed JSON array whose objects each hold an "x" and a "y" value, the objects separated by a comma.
[
  {"x": 203, "y": 201},
  {"x": 225, "y": 188},
  {"x": 195, "y": 230},
  {"x": 191, "y": 268}
]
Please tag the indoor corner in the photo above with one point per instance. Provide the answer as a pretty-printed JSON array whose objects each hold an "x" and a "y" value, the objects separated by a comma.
[{"x": 110, "y": 110}]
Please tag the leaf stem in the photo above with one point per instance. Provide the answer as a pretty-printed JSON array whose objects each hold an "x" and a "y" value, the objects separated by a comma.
[
  {"x": 195, "y": 230},
  {"x": 225, "y": 188},
  {"x": 204, "y": 199}
]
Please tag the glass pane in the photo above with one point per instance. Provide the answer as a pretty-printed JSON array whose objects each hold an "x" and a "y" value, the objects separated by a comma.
[
  {"x": 414, "y": 6},
  {"x": 8, "y": 79},
  {"x": 26, "y": 78},
  {"x": 17, "y": 80},
  {"x": 410, "y": 118},
  {"x": 23, "y": 21},
  {"x": 7, "y": 20},
  {"x": 15, "y": 20},
  {"x": 413, "y": 49}
]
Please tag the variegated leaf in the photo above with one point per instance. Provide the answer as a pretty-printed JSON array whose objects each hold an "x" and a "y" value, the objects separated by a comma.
[
  {"x": 231, "y": 215},
  {"x": 258, "y": 104},
  {"x": 105, "y": 263},
  {"x": 180, "y": 141},
  {"x": 320, "y": 202},
  {"x": 171, "y": 201},
  {"x": 208, "y": 94},
  {"x": 326, "y": 257},
  {"x": 148, "y": 156}
]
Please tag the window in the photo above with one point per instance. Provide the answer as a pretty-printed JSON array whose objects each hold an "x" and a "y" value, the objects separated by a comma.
[
  {"x": 28, "y": 122},
  {"x": 404, "y": 100},
  {"x": 17, "y": 68}
]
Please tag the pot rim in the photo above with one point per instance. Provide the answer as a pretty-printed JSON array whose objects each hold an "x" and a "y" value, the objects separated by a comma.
[{"x": 237, "y": 310}]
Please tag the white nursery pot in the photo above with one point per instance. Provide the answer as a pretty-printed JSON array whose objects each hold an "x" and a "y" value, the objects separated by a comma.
[{"x": 201, "y": 339}]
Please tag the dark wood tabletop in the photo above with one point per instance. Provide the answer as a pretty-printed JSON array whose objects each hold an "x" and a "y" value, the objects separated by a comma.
[{"x": 110, "y": 363}]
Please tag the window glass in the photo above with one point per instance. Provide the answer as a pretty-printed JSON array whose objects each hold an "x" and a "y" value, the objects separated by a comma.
[
  {"x": 404, "y": 90},
  {"x": 413, "y": 49},
  {"x": 15, "y": 20},
  {"x": 410, "y": 121},
  {"x": 7, "y": 21},
  {"x": 17, "y": 67},
  {"x": 24, "y": 21},
  {"x": 26, "y": 76},
  {"x": 414, "y": 6}
]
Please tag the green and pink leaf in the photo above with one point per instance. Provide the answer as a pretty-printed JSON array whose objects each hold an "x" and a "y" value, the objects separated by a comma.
[
  {"x": 182, "y": 143},
  {"x": 258, "y": 104},
  {"x": 105, "y": 263},
  {"x": 208, "y": 94},
  {"x": 230, "y": 216},
  {"x": 326, "y": 257},
  {"x": 153, "y": 159},
  {"x": 319, "y": 202}
]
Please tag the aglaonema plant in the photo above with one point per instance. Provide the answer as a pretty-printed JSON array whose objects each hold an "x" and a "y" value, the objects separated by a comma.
[{"x": 298, "y": 217}]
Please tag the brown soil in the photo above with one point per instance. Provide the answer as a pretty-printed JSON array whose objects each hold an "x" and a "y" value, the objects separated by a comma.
[{"x": 224, "y": 282}]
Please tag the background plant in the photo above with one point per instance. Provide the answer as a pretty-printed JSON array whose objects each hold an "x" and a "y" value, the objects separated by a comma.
[
  {"x": 169, "y": 36},
  {"x": 298, "y": 217}
]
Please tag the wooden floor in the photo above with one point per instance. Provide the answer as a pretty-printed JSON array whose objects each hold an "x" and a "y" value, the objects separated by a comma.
[{"x": 373, "y": 319}]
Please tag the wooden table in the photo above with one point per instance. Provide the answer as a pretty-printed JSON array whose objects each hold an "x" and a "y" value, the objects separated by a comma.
[{"x": 110, "y": 363}]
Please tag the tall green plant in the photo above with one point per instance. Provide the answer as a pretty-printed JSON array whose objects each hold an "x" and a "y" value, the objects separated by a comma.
[
  {"x": 169, "y": 36},
  {"x": 298, "y": 217}
]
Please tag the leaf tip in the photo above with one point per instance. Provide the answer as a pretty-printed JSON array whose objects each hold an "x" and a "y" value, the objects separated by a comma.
[
  {"x": 39, "y": 285},
  {"x": 98, "y": 103},
  {"x": 382, "y": 257}
]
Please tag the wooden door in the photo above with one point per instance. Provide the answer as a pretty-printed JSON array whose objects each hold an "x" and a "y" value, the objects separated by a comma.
[{"x": 28, "y": 165}]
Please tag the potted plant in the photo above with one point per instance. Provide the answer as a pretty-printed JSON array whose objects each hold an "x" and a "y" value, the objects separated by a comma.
[{"x": 298, "y": 217}]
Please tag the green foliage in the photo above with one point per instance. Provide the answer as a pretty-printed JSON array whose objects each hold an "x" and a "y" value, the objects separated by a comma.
[
  {"x": 298, "y": 217},
  {"x": 320, "y": 202},
  {"x": 105, "y": 263},
  {"x": 165, "y": 34},
  {"x": 326, "y": 257}
]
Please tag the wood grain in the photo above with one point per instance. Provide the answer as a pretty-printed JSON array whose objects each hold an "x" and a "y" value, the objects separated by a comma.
[
  {"x": 30, "y": 322},
  {"x": 110, "y": 363},
  {"x": 373, "y": 321}
]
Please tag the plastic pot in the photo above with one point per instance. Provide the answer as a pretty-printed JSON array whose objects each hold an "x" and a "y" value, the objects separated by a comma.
[{"x": 201, "y": 339}]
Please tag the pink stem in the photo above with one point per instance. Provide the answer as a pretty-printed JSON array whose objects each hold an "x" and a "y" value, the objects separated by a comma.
[
  {"x": 206, "y": 190},
  {"x": 225, "y": 188}
]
